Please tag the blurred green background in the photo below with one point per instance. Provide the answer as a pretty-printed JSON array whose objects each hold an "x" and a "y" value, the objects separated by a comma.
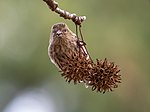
[{"x": 116, "y": 29}]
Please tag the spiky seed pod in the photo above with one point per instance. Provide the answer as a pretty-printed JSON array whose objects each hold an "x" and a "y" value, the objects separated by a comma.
[
  {"x": 104, "y": 76},
  {"x": 69, "y": 54},
  {"x": 76, "y": 68}
]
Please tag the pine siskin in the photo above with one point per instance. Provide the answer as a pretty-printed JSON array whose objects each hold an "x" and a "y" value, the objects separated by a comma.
[{"x": 63, "y": 42}]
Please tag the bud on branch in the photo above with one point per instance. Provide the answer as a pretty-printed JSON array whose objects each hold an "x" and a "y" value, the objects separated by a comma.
[{"x": 53, "y": 5}]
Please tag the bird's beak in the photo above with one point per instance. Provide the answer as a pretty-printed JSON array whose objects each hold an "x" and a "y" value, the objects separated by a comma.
[{"x": 59, "y": 33}]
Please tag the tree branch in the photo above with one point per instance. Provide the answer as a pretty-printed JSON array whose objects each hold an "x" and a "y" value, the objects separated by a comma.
[{"x": 53, "y": 5}]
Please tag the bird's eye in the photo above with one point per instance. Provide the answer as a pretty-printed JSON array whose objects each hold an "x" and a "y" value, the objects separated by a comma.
[
  {"x": 64, "y": 30},
  {"x": 54, "y": 32}
]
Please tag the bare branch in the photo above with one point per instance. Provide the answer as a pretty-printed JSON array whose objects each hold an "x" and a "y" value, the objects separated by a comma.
[{"x": 53, "y": 5}]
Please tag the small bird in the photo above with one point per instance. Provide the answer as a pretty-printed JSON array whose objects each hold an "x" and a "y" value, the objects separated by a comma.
[{"x": 62, "y": 43}]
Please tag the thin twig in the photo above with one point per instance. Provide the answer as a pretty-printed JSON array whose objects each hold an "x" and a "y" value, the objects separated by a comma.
[
  {"x": 81, "y": 43},
  {"x": 84, "y": 44},
  {"x": 53, "y": 5}
]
